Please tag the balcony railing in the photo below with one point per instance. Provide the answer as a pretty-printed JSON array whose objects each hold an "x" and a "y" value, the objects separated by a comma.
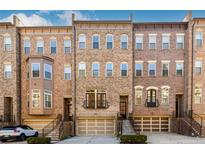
[
  {"x": 152, "y": 104},
  {"x": 91, "y": 104}
]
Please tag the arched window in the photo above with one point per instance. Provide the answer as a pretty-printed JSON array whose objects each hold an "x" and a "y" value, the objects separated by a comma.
[
  {"x": 124, "y": 41},
  {"x": 95, "y": 69},
  {"x": 124, "y": 69},
  {"x": 109, "y": 41},
  {"x": 151, "y": 97},
  {"x": 82, "y": 69},
  {"x": 96, "y": 41},
  {"x": 82, "y": 41}
]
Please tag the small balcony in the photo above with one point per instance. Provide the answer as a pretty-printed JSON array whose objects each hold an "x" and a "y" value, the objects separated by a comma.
[
  {"x": 151, "y": 103},
  {"x": 92, "y": 104}
]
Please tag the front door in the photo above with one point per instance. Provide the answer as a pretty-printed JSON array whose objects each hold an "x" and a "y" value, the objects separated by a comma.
[
  {"x": 123, "y": 106},
  {"x": 67, "y": 108},
  {"x": 178, "y": 105}
]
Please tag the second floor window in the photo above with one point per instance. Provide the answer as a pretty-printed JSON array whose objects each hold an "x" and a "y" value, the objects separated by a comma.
[
  {"x": 199, "y": 39},
  {"x": 96, "y": 41},
  {"x": 27, "y": 46},
  {"x": 7, "y": 71},
  {"x": 48, "y": 71},
  {"x": 67, "y": 72},
  {"x": 198, "y": 67},
  {"x": 95, "y": 69},
  {"x": 40, "y": 46},
  {"x": 198, "y": 95},
  {"x": 35, "y": 70},
  {"x": 109, "y": 41},
  {"x": 152, "y": 41},
  {"x": 165, "y": 41},
  {"x": 82, "y": 41},
  {"x": 67, "y": 46},
  {"x": 82, "y": 69},
  {"x": 124, "y": 41},
  {"x": 109, "y": 69},
  {"x": 179, "y": 68},
  {"x": 152, "y": 69},
  {"x": 180, "y": 42},
  {"x": 7, "y": 43},
  {"x": 53, "y": 46},
  {"x": 165, "y": 69},
  {"x": 139, "y": 42},
  {"x": 124, "y": 69},
  {"x": 138, "y": 69}
]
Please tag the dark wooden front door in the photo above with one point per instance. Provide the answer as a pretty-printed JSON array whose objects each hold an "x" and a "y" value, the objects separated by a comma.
[
  {"x": 178, "y": 105},
  {"x": 67, "y": 107},
  {"x": 123, "y": 106}
]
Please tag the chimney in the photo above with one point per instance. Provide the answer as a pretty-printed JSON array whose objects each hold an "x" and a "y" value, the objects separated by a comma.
[{"x": 188, "y": 17}]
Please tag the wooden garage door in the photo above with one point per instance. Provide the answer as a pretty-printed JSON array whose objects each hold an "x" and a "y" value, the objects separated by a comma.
[
  {"x": 152, "y": 124},
  {"x": 96, "y": 127}
]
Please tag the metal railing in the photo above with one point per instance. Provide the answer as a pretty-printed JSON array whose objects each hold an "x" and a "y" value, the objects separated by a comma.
[
  {"x": 119, "y": 124},
  {"x": 51, "y": 126},
  {"x": 6, "y": 120},
  {"x": 99, "y": 104},
  {"x": 152, "y": 104}
]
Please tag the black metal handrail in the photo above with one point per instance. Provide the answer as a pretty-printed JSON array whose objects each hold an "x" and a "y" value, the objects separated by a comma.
[
  {"x": 152, "y": 104},
  {"x": 99, "y": 105}
]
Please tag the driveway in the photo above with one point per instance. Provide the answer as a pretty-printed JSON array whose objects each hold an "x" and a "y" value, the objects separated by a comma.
[
  {"x": 170, "y": 138},
  {"x": 90, "y": 140}
]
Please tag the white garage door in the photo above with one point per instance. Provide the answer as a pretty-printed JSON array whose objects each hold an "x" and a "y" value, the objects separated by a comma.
[
  {"x": 152, "y": 124},
  {"x": 96, "y": 127}
]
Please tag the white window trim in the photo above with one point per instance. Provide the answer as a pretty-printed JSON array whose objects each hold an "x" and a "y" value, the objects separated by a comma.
[
  {"x": 52, "y": 39},
  {"x": 165, "y": 87},
  {"x": 5, "y": 71},
  {"x": 7, "y": 36},
  {"x": 180, "y": 34},
  {"x": 79, "y": 68},
  {"x": 69, "y": 66},
  {"x": 39, "y": 98},
  {"x": 39, "y": 70},
  {"x": 47, "y": 91},
  {"x": 155, "y": 42},
  {"x": 45, "y": 71},
  {"x": 98, "y": 69},
  {"x": 165, "y": 34},
  {"x": 165, "y": 62},
  {"x": 112, "y": 41},
  {"x": 37, "y": 44},
  {"x": 106, "y": 69},
  {"x": 79, "y": 41},
  {"x": 179, "y": 62},
  {"x": 66, "y": 39},
  {"x": 139, "y": 35},
  {"x": 152, "y": 87},
  {"x": 141, "y": 88},
  {"x": 152, "y": 62},
  {"x": 121, "y": 69},
  {"x": 121, "y": 41},
  {"x": 201, "y": 95},
  {"x": 142, "y": 63},
  {"x": 98, "y": 40}
]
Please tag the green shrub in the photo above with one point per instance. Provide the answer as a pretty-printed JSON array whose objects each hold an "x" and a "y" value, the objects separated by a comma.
[
  {"x": 133, "y": 139},
  {"x": 39, "y": 140}
]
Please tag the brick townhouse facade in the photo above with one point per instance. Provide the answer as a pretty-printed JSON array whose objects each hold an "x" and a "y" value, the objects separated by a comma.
[{"x": 93, "y": 72}]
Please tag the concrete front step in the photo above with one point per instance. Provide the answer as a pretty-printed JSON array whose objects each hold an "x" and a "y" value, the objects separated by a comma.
[{"x": 127, "y": 128}]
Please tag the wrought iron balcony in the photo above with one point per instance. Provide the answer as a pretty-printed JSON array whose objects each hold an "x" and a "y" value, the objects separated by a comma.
[
  {"x": 152, "y": 104},
  {"x": 95, "y": 105}
]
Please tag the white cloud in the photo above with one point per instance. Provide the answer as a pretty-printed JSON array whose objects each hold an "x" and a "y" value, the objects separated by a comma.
[
  {"x": 32, "y": 20},
  {"x": 66, "y": 16}
]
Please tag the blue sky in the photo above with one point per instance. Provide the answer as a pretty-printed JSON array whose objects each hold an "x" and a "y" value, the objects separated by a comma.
[{"x": 63, "y": 17}]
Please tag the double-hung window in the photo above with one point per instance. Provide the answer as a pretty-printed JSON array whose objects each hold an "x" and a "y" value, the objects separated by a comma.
[
  {"x": 138, "y": 96},
  {"x": 198, "y": 95},
  {"x": 124, "y": 41},
  {"x": 82, "y": 69},
  {"x": 139, "y": 41},
  {"x": 138, "y": 68},
  {"x": 53, "y": 46},
  {"x": 82, "y": 41},
  {"x": 179, "y": 68},
  {"x": 165, "y": 69},
  {"x": 96, "y": 41},
  {"x": 7, "y": 71},
  {"x": 124, "y": 69},
  {"x": 35, "y": 98},
  {"x": 180, "y": 41},
  {"x": 27, "y": 46},
  {"x": 152, "y": 41},
  {"x": 47, "y": 99},
  {"x": 165, "y": 95},
  {"x": 152, "y": 68},
  {"x": 198, "y": 67},
  {"x": 109, "y": 41},
  {"x": 165, "y": 41},
  {"x": 67, "y": 46},
  {"x": 95, "y": 69},
  {"x": 48, "y": 71},
  {"x": 7, "y": 43},
  {"x": 40, "y": 46},
  {"x": 35, "y": 70},
  {"x": 109, "y": 69},
  {"x": 199, "y": 39},
  {"x": 67, "y": 72}
]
